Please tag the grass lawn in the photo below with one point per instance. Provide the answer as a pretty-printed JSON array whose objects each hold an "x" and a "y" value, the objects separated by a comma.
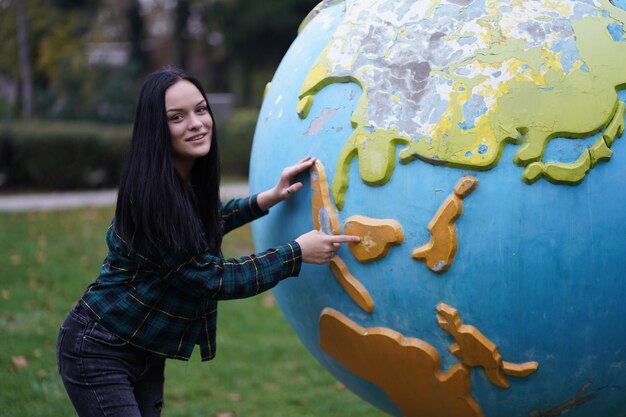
[{"x": 261, "y": 369}]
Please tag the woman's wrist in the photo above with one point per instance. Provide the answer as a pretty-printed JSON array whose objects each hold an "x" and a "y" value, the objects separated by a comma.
[{"x": 268, "y": 199}]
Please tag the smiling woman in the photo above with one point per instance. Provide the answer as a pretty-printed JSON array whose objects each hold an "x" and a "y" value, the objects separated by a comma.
[{"x": 157, "y": 292}]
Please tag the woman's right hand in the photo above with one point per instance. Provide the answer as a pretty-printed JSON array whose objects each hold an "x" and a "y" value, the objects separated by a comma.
[{"x": 319, "y": 248}]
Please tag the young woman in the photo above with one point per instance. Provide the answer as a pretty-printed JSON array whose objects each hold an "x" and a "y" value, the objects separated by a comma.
[{"x": 157, "y": 292}]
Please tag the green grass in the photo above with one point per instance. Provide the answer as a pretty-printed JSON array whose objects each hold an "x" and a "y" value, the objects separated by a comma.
[{"x": 261, "y": 369}]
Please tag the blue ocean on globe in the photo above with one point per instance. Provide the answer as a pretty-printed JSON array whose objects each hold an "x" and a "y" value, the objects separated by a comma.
[{"x": 538, "y": 272}]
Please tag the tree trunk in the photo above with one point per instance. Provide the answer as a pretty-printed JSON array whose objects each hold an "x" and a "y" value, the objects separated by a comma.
[
  {"x": 26, "y": 74},
  {"x": 181, "y": 36},
  {"x": 136, "y": 31}
]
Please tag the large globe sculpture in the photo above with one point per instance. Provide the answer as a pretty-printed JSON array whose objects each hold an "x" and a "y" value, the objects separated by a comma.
[{"x": 475, "y": 147}]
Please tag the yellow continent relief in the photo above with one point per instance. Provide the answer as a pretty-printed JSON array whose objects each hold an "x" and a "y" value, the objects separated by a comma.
[
  {"x": 440, "y": 251},
  {"x": 324, "y": 215},
  {"x": 377, "y": 237},
  {"x": 408, "y": 370},
  {"x": 325, "y": 219},
  {"x": 474, "y": 349},
  {"x": 572, "y": 173},
  {"x": 352, "y": 286},
  {"x": 457, "y": 103}
]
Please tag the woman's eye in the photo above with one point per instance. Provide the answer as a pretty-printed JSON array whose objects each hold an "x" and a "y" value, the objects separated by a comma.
[
  {"x": 176, "y": 118},
  {"x": 201, "y": 109}
]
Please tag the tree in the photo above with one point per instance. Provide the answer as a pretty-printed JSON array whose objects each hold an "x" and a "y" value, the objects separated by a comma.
[
  {"x": 257, "y": 35},
  {"x": 181, "y": 35},
  {"x": 26, "y": 75},
  {"x": 41, "y": 39},
  {"x": 136, "y": 34}
]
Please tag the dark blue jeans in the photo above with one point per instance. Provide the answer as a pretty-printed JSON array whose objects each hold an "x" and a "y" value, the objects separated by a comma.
[{"x": 105, "y": 376}]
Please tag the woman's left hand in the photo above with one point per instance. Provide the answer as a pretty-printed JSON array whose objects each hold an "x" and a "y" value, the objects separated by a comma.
[{"x": 286, "y": 186}]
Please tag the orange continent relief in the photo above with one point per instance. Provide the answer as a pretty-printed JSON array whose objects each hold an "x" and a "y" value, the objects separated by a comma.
[
  {"x": 440, "y": 251},
  {"x": 406, "y": 369},
  {"x": 377, "y": 237},
  {"x": 325, "y": 217},
  {"x": 474, "y": 349},
  {"x": 352, "y": 286}
]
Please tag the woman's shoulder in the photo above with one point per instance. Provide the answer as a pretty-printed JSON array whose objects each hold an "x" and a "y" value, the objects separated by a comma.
[
  {"x": 114, "y": 239},
  {"x": 124, "y": 241}
]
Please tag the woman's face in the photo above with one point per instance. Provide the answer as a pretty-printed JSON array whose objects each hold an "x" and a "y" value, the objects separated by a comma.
[{"x": 190, "y": 124}]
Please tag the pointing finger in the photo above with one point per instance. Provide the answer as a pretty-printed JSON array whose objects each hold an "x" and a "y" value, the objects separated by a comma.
[{"x": 344, "y": 239}]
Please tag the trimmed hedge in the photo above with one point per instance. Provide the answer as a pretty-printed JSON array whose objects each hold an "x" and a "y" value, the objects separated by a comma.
[
  {"x": 80, "y": 155},
  {"x": 62, "y": 156}
]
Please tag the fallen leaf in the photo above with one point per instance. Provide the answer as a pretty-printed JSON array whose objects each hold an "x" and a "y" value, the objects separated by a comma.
[
  {"x": 90, "y": 213},
  {"x": 16, "y": 260},
  {"x": 32, "y": 283},
  {"x": 42, "y": 373},
  {"x": 40, "y": 256},
  {"x": 5, "y": 295},
  {"x": 268, "y": 300},
  {"x": 19, "y": 362},
  {"x": 226, "y": 414},
  {"x": 234, "y": 396}
]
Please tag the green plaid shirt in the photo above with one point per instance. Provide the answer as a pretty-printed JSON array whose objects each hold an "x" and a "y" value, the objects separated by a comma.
[{"x": 165, "y": 304}]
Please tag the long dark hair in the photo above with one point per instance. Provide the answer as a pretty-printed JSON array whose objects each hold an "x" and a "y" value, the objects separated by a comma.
[{"x": 154, "y": 203}]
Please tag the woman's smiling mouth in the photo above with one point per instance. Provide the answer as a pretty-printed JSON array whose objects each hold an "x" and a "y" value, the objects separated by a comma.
[{"x": 196, "y": 138}]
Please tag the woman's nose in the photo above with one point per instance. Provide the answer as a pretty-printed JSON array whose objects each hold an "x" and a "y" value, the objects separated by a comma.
[{"x": 194, "y": 122}]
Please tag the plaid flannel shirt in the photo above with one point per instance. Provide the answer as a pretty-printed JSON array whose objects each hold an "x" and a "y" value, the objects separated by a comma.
[{"x": 165, "y": 304}]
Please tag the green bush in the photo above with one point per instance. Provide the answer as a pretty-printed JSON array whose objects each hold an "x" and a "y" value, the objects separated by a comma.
[
  {"x": 82, "y": 155},
  {"x": 62, "y": 156},
  {"x": 235, "y": 138}
]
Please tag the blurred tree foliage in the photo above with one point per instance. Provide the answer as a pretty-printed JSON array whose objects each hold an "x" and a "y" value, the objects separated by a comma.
[
  {"x": 231, "y": 45},
  {"x": 257, "y": 35},
  {"x": 56, "y": 31}
]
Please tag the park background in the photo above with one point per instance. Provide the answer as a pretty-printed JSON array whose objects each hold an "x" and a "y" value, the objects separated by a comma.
[{"x": 70, "y": 71}]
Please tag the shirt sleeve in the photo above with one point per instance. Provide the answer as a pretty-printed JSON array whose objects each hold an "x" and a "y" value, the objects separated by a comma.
[
  {"x": 209, "y": 276},
  {"x": 240, "y": 211}
]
